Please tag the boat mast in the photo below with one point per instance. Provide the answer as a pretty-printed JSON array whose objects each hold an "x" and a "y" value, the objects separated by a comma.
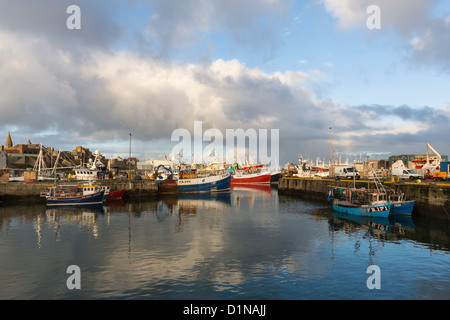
[{"x": 56, "y": 162}]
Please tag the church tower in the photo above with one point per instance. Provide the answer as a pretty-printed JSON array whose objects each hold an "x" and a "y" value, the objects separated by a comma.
[{"x": 9, "y": 142}]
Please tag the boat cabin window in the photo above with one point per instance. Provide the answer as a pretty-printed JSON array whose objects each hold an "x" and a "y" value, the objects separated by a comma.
[{"x": 188, "y": 174}]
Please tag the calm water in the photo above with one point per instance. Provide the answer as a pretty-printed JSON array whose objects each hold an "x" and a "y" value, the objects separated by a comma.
[{"x": 247, "y": 244}]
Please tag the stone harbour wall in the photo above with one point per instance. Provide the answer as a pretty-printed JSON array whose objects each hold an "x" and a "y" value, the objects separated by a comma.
[{"x": 432, "y": 198}]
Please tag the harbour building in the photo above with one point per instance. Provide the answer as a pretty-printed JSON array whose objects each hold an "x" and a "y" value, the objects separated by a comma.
[{"x": 409, "y": 158}]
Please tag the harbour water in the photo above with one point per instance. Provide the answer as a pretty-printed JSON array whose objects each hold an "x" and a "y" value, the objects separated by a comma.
[{"x": 249, "y": 244}]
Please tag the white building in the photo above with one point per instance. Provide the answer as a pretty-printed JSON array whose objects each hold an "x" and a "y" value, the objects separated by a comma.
[{"x": 152, "y": 164}]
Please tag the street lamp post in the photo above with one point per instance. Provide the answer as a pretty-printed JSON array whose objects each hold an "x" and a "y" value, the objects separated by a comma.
[
  {"x": 331, "y": 152},
  {"x": 129, "y": 162}
]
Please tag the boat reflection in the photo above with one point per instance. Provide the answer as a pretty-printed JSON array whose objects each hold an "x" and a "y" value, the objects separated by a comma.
[
  {"x": 247, "y": 195},
  {"x": 85, "y": 216},
  {"x": 257, "y": 188},
  {"x": 395, "y": 225},
  {"x": 373, "y": 223},
  {"x": 191, "y": 203},
  {"x": 115, "y": 203}
]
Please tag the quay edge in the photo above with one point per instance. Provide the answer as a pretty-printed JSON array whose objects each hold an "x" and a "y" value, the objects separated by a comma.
[
  {"x": 432, "y": 199},
  {"x": 30, "y": 192}
]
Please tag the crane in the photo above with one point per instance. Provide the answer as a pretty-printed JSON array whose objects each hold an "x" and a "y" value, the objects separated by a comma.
[
  {"x": 435, "y": 152},
  {"x": 432, "y": 167}
]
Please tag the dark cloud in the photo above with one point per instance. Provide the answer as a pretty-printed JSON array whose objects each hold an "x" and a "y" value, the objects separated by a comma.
[
  {"x": 424, "y": 114},
  {"x": 47, "y": 19}
]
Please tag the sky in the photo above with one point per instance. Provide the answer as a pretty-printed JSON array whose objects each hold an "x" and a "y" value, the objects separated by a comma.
[{"x": 150, "y": 67}]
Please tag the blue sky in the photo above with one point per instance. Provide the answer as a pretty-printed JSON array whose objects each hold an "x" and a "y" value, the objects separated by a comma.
[{"x": 150, "y": 67}]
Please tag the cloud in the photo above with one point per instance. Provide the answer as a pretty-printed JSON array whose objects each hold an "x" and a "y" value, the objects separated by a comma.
[
  {"x": 426, "y": 37},
  {"x": 433, "y": 45},
  {"x": 249, "y": 25},
  {"x": 158, "y": 28},
  {"x": 46, "y": 19},
  {"x": 405, "y": 16},
  {"x": 107, "y": 94},
  {"x": 80, "y": 87}
]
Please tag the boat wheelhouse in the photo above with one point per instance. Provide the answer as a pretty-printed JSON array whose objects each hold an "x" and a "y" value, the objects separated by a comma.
[
  {"x": 85, "y": 174},
  {"x": 401, "y": 206}
]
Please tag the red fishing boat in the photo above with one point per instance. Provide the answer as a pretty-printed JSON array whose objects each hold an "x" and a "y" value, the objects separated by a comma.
[
  {"x": 114, "y": 195},
  {"x": 243, "y": 178}
]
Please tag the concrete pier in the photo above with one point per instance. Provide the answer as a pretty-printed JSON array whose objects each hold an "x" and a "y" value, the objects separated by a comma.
[
  {"x": 20, "y": 191},
  {"x": 432, "y": 199}
]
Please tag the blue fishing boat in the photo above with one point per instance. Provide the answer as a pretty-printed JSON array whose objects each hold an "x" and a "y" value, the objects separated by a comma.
[
  {"x": 191, "y": 182},
  {"x": 67, "y": 196},
  {"x": 213, "y": 183},
  {"x": 401, "y": 206},
  {"x": 360, "y": 202}
]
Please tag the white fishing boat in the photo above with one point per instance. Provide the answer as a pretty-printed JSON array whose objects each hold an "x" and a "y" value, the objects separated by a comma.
[{"x": 91, "y": 170}]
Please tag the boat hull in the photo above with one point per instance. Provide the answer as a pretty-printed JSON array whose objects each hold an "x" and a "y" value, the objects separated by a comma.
[
  {"x": 167, "y": 187},
  {"x": 217, "y": 183},
  {"x": 114, "y": 195},
  {"x": 75, "y": 200},
  {"x": 251, "y": 178},
  {"x": 403, "y": 208},
  {"x": 374, "y": 210},
  {"x": 275, "y": 177}
]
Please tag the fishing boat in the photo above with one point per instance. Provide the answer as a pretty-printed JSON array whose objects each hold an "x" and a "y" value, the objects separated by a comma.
[
  {"x": 250, "y": 174},
  {"x": 360, "y": 202},
  {"x": 112, "y": 195},
  {"x": 401, "y": 206},
  {"x": 85, "y": 173},
  {"x": 61, "y": 195},
  {"x": 190, "y": 182},
  {"x": 244, "y": 178},
  {"x": 115, "y": 195},
  {"x": 275, "y": 176}
]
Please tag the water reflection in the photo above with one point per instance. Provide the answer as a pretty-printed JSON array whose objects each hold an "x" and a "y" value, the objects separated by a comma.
[
  {"x": 429, "y": 231},
  {"x": 85, "y": 216},
  {"x": 191, "y": 203},
  {"x": 249, "y": 243}
]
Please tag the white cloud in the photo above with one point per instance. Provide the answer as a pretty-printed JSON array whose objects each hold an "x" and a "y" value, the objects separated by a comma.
[
  {"x": 432, "y": 46},
  {"x": 106, "y": 95},
  {"x": 404, "y": 15},
  {"x": 426, "y": 37},
  {"x": 248, "y": 24}
]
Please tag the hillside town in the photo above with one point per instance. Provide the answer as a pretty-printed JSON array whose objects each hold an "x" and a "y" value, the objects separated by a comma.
[{"x": 28, "y": 157}]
